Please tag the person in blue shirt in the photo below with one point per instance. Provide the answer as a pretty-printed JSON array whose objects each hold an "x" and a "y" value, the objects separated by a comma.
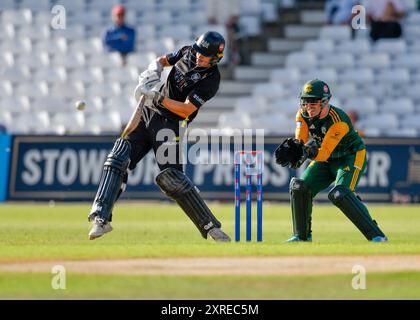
[
  {"x": 339, "y": 12},
  {"x": 120, "y": 37}
]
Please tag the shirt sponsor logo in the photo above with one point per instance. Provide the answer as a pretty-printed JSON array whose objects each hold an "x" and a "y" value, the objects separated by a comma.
[
  {"x": 195, "y": 77},
  {"x": 205, "y": 44},
  {"x": 197, "y": 98},
  {"x": 173, "y": 54}
]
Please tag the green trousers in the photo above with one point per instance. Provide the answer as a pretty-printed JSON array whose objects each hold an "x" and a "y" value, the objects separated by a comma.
[{"x": 344, "y": 171}]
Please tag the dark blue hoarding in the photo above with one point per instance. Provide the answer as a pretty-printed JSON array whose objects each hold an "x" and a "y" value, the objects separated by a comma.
[
  {"x": 4, "y": 164},
  {"x": 69, "y": 168}
]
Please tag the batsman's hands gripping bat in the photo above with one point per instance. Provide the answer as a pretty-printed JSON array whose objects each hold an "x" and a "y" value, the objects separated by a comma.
[
  {"x": 149, "y": 86},
  {"x": 145, "y": 92},
  {"x": 135, "y": 118}
]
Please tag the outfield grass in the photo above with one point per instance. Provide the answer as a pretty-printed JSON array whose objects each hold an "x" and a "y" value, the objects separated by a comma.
[
  {"x": 32, "y": 232},
  {"x": 82, "y": 286}
]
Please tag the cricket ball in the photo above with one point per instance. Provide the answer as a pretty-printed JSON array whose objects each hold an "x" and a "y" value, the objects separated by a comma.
[{"x": 80, "y": 105}]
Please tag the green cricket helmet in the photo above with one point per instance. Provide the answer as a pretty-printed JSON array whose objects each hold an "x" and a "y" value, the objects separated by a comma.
[{"x": 312, "y": 92}]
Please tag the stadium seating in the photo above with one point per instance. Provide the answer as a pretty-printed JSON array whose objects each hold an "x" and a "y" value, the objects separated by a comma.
[
  {"x": 51, "y": 68},
  {"x": 47, "y": 70},
  {"x": 381, "y": 80}
]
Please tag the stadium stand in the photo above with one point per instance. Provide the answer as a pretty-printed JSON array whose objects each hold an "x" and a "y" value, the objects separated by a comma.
[
  {"x": 366, "y": 77},
  {"x": 46, "y": 70}
]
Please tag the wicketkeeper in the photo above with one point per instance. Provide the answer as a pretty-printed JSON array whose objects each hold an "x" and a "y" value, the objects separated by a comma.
[
  {"x": 338, "y": 155},
  {"x": 193, "y": 80}
]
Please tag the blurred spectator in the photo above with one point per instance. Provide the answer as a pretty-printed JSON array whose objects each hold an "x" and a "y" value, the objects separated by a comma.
[
  {"x": 338, "y": 12},
  {"x": 383, "y": 16},
  {"x": 2, "y": 129},
  {"x": 120, "y": 37},
  {"x": 227, "y": 13},
  {"x": 354, "y": 117}
]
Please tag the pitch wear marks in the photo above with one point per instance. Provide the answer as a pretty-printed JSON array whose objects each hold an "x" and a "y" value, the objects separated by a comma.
[{"x": 188, "y": 81}]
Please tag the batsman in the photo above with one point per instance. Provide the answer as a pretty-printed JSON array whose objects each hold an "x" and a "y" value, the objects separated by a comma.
[
  {"x": 162, "y": 110},
  {"x": 324, "y": 134}
]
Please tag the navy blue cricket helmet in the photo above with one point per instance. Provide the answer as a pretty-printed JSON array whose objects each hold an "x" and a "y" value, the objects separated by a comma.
[{"x": 210, "y": 44}]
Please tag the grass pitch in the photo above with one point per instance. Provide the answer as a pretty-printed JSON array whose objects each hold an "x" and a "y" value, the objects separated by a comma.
[{"x": 38, "y": 232}]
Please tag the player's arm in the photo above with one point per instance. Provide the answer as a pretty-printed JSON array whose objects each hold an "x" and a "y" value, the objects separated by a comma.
[
  {"x": 182, "y": 109},
  {"x": 194, "y": 101},
  {"x": 163, "y": 60},
  {"x": 301, "y": 131},
  {"x": 171, "y": 58},
  {"x": 332, "y": 138}
]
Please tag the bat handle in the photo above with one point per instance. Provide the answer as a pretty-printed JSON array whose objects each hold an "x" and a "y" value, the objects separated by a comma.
[{"x": 135, "y": 118}]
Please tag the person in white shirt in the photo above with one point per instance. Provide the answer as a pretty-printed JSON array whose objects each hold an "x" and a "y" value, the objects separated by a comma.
[{"x": 384, "y": 16}]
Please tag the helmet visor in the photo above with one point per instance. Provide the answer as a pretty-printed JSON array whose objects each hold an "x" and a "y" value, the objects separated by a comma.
[
  {"x": 201, "y": 50},
  {"x": 309, "y": 100}
]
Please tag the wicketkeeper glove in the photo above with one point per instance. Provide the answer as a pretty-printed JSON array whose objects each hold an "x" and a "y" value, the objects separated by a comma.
[
  {"x": 309, "y": 151},
  {"x": 289, "y": 152},
  {"x": 293, "y": 153}
]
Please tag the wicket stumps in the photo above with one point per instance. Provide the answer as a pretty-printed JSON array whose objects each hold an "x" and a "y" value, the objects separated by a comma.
[{"x": 254, "y": 165}]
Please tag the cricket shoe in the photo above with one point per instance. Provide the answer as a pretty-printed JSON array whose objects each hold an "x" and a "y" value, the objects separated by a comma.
[
  {"x": 218, "y": 235},
  {"x": 297, "y": 239},
  {"x": 99, "y": 228},
  {"x": 379, "y": 239}
]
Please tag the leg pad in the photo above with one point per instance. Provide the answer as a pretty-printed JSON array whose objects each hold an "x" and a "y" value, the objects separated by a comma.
[
  {"x": 176, "y": 185},
  {"x": 355, "y": 210},
  {"x": 115, "y": 168},
  {"x": 301, "y": 202}
]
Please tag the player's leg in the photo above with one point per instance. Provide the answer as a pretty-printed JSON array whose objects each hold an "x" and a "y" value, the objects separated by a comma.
[
  {"x": 343, "y": 196},
  {"x": 176, "y": 185},
  {"x": 315, "y": 178},
  {"x": 125, "y": 153},
  {"x": 141, "y": 145}
]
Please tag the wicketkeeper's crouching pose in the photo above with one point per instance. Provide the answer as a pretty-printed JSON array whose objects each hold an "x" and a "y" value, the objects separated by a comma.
[
  {"x": 193, "y": 80},
  {"x": 338, "y": 155}
]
